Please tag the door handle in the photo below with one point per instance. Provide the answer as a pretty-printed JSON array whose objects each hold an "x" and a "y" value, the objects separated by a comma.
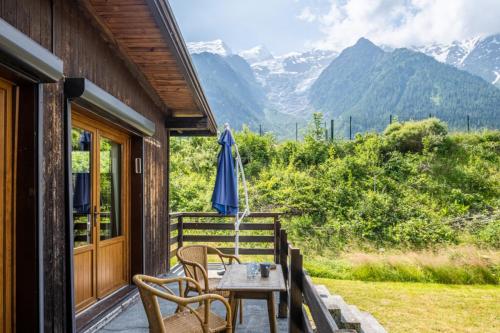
[{"x": 96, "y": 214}]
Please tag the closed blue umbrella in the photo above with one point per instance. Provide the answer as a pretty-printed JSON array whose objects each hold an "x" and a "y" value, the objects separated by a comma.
[{"x": 225, "y": 195}]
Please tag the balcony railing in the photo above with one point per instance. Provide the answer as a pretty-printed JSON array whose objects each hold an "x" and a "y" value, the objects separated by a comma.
[{"x": 262, "y": 236}]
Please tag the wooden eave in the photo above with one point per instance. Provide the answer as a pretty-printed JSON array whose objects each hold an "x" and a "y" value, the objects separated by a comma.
[{"x": 146, "y": 34}]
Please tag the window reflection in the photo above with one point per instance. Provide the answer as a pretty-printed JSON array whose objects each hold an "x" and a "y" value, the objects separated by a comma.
[
  {"x": 110, "y": 189},
  {"x": 81, "y": 142}
]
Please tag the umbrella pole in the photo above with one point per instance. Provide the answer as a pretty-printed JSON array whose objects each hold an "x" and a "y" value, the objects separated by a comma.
[
  {"x": 237, "y": 236},
  {"x": 237, "y": 224}
]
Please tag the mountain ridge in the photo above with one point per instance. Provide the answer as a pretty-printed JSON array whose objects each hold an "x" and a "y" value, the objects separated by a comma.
[
  {"x": 279, "y": 87},
  {"x": 370, "y": 84}
]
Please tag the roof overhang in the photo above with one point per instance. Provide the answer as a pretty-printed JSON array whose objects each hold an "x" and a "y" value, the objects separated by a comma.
[{"x": 149, "y": 40}]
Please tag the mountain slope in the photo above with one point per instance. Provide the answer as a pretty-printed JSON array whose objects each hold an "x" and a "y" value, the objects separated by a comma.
[
  {"x": 484, "y": 60},
  {"x": 369, "y": 84},
  {"x": 231, "y": 89},
  {"x": 479, "y": 56},
  {"x": 287, "y": 78}
]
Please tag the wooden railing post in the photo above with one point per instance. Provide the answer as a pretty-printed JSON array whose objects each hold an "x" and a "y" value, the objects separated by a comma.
[
  {"x": 296, "y": 317},
  {"x": 169, "y": 232},
  {"x": 277, "y": 228},
  {"x": 283, "y": 305},
  {"x": 180, "y": 236}
]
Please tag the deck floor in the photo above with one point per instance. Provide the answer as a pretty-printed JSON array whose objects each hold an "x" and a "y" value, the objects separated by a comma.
[{"x": 133, "y": 319}]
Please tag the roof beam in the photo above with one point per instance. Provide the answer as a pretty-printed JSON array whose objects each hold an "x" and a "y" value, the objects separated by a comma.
[
  {"x": 192, "y": 133},
  {"x": 187, "y": 123}
]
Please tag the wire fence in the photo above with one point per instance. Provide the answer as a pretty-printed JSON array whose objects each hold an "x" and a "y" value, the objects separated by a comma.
[{"x": 348, "y": 128}]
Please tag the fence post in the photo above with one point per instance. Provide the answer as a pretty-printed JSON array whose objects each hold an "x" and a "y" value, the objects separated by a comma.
[
  {"x": 331, "y": 130},
  {"x": 296, "y": 131},
  {"x": 350, "y": 127},
  {"x": 180, "y": 229},
  {"x": 283, "y": 305},
  {"x": 260, "y": 129},
  {"x": 277, "y": 228},
  {"x": 390, "y": 119},
  {"x": 468, "y": 124},
  {"x": 295, "y": 319}
]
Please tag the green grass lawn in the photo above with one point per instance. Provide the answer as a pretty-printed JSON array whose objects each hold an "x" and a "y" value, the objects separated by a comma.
[{"x": 423, "y": 307}]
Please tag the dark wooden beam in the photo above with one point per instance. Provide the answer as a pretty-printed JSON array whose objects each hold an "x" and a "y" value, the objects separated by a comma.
[
  {"x": 191, "y": 132},
  {"x": 186, "y": 123}
]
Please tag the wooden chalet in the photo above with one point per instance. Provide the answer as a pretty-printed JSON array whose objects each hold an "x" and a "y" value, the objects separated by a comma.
[{"x": 90, "y": 92}]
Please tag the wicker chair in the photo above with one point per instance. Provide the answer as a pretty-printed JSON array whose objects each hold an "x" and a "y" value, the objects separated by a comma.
[
  {"x": 194, "y": 260},
  {"x": 186, "y": 318}
]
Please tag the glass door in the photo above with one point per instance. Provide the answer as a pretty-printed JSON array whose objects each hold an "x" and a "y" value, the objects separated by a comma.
[
  {"x": 100, "y": 209},
  {"x": 83, "y": 166},
  {"x": 111, "y": 272}
]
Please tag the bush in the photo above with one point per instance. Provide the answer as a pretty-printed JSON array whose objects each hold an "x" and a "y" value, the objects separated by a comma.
[
  {"x": 490, "y": 235},
  {"x": 419, "y": 233},
  {"x": 412, "y": 136}
]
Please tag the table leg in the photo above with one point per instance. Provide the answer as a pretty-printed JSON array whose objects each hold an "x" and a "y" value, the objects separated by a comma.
[
  {"x": 233, "y": 301},
  {"x": 271, "y": 312}
]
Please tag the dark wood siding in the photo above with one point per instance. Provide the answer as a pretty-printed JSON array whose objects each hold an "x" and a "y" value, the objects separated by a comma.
[{"x": 62, "y": 27}]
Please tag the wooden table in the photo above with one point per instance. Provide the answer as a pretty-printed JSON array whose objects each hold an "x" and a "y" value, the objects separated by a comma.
[{"x": 240, "y": 287}]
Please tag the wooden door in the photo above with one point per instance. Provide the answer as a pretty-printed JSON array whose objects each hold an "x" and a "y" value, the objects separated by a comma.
[
  {"x": 100, "y": 169},
  {"x": 112, "y": 209},
  {"x": 6, "y": 206}
]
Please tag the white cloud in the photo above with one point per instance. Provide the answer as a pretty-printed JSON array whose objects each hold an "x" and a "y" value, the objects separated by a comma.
[
  {"x": 400, "y": 23},
  {"x": 306, "y": 15}
]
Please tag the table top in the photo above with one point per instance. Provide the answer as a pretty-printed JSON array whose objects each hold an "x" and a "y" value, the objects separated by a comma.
[{"x": 235, "y": 279}]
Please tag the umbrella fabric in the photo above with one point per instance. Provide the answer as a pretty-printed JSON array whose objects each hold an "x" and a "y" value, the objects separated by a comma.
[
  {"x": 225, "y": 195},
  {"x": 81, "y": 194}
]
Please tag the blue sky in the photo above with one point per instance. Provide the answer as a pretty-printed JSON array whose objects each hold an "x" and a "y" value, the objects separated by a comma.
[
  {"x": 245, "y": 24},
  {"x": 295, "y": 25}
]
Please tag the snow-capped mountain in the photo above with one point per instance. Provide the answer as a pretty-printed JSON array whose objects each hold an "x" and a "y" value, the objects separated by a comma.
[
  {"x": 286, "y": 78},
  {"x": 479, "y": 56},
  {"x": 215, "y": 47},
  {"x": 256, "y": 54},
  {"x": 451, "y": 54},
  {"x": 484, "y": 59}
]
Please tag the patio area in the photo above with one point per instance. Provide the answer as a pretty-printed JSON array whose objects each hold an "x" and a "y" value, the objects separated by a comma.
[
  {"x": 298, "y": 306},
  {"x": 133, "y": 319}
]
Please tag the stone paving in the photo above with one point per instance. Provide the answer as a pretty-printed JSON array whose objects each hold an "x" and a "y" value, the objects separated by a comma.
[{"x": 255, "y": 320}]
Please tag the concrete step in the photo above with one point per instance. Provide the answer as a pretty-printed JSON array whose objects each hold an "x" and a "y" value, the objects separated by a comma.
[
  {"x": 322, "y": 290},
  {"x": 368, "y": 323},
  {"x": 375, "y": 326},
  {"x": 347, "y": 319}
]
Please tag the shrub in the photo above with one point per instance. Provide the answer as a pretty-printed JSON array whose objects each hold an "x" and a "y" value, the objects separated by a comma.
[
  {"x": 490, "y": 235},
  {"x": 420, "y": 233},
  {"x": 412, "y": 136}
]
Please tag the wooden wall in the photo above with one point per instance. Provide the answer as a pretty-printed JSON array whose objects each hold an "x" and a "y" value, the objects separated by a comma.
[{"x": 61, "y": 27}]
